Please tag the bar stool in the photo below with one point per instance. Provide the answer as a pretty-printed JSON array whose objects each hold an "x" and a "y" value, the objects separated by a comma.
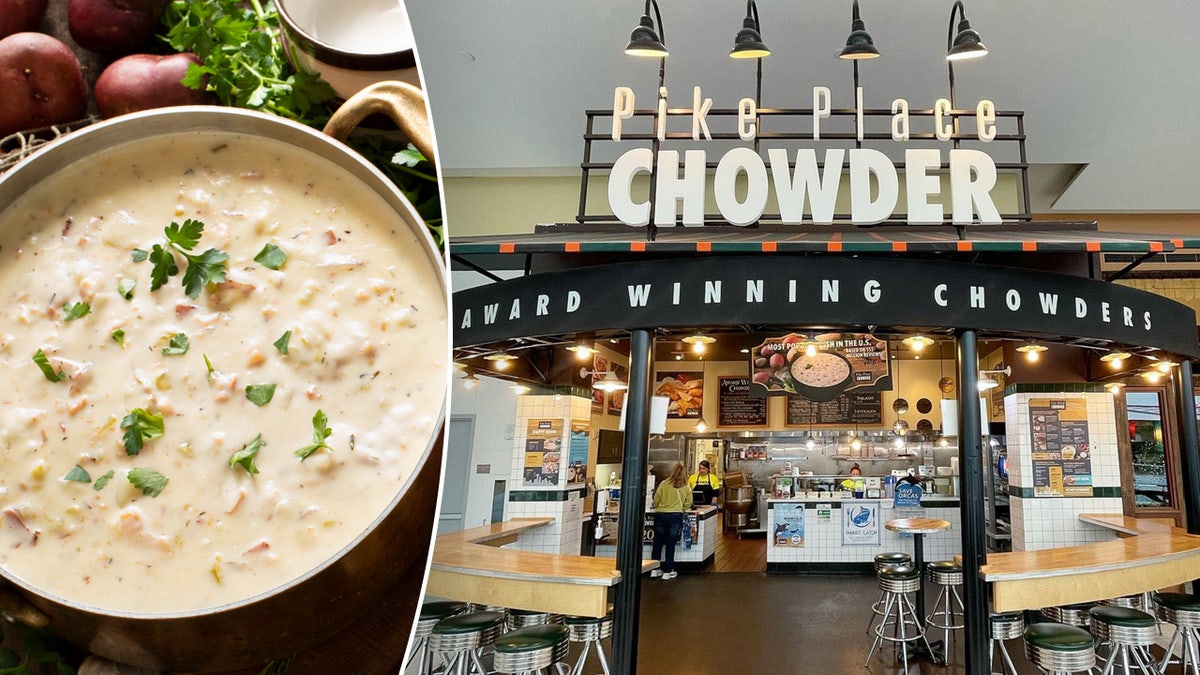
[
  {"x": 1182, "y": 611},
  {"x": 1057, "y": 648},
  {"x": 521, "y": 618},
  {"x": 531, "y": 650},
  {"x": 897, "y": 583},
  {"x": 1072, "y": 615},
  {"x": 947, "y": 574},
  {"x": 432, "y": 612},
  {"x": 884, "y": 561},
  {"x": 459, "y": 639},
  {"x": 1130, "y": 631},
  {"x": 589, "y": 630},
  {"x": 1005, "y": 626},
  {"x": 1136, "y": 601}
]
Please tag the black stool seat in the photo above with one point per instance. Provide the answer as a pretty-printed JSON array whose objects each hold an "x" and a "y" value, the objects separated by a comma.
[
  {"x": 1122, "y": 616},
  {"x": 1078, "y": 606},
  {"x": 532, "y": 638},
  {"x": 526, "y": 612},
  {"x": 468, "y": 623},
  {"x": 1058, "y": 637},
  {"x": 440, "y": 609},
  {"x": 1005, "y": 617},
  {"x": 584, "y": 620},
  {"x": 892, "y": 558},
  {"x": 1178, "y": 601},
  {"x": 944, "y": 566},
  {"x": 899, "y": 573}
]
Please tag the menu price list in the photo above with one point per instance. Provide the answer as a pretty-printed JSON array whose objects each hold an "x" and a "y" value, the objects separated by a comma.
[
  {"x": 1062, "y": 463},
  {"x": 735, "y": 406},
  {"x": 850, "y": 408}
]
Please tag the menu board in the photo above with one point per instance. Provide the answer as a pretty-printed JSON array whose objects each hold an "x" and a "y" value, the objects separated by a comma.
[
  {"x": 856, "y": 407},
  {"x": 820, "y": 367},
  {"x": 736, "y": 407},
  {"x": 1062, "y": 453},
  {"x": 543, "y": 452},
  {"x": 684, "y": 392},
  {"x": 577, "y": 455}
]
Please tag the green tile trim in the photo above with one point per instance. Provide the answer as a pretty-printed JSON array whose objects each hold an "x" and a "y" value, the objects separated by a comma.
[
  {"x": 1056, "y": 388},
  {"x": 1097, "y": 492},
  {"x": 1106, "y": 492},
  {"x": 1022, "y": 492},
  {"x": 543, "y": 495}
]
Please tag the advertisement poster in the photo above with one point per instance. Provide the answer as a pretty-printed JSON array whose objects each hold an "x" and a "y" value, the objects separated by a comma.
[
  {"x": 684, "y": 392},
  {"x": 543, "y": 452},
  {"x": 789, "y": 524},
  {"x": 578, "y": 452},
  {"x": 1062, "y": 454},
  {"x": 616, "y": 401},
  {"x": 691, "y": 530},
  {"x": 820, "y": 367},
  {"x": 735, "y": 406},
  {"x": 860, "y": 523},
  {"x": 600, "y": 366},
  {"x": 855, "y": 407}
]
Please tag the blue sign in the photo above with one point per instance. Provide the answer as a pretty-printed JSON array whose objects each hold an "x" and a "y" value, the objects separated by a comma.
[
  {"x": 908, "y": 495},
  {"x": 860, "y": 523}
]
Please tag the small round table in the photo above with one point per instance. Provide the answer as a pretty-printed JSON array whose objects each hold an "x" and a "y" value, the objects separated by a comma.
[{"x": 918, "y": 528}]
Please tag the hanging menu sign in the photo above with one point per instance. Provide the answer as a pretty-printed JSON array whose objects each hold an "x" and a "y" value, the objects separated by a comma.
[
  {"x": 820, "y": 367},
  {"x": 856, "y": 407},
  {"x": 735, "y": 406},
  {"x": 1062, "y": 455}
]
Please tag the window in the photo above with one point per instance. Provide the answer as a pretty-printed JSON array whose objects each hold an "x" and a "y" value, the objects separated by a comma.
[{"x": 1148, "y": 446}]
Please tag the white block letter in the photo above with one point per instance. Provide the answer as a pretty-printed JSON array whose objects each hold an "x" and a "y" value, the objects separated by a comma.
[
  {"x": 863, "y": 164},
  {"x": 985, "y": 121},
  {"x": 969, "y": 195},
  {"x": 821, "y": 98},
  {"x": 699, "y": 115},
  {"x": 747, "y": 118},
  {"x": 622, "y": 109},
  {"x": 900, "y": 131},
  {"x": 822, "y": 189},
  {"x": 672, "y": 188},
  {"x": 919, "y": 184},
  {"x": 620, "y": 187},
  {"x": 940, "y": 109},
  {"x": 741, "y": 160}
]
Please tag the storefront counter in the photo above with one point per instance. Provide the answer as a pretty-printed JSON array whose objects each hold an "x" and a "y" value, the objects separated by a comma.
[
  {"x": 1149, "y": 556},
  {"x": 844, "y": 535},
  {"x": 471, "y": 566},
  {"x": 702, "y": 519}
]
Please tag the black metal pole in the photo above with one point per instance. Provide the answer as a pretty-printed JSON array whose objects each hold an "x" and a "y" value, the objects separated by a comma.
[
  {"x": 977, "y": 640},
  {"x": 627, "y": 595},
  {"x": 1189, "y": 449}
]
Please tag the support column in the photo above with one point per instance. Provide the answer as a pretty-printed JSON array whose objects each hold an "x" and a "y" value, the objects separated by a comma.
[
  {"x": 1189, "y": 452},
  {"x": 628, "y": 592},
  {"x": 977, "y": 640}
]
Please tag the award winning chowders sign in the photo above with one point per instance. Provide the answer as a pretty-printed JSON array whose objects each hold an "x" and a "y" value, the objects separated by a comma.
[
  {"x": 789, "y": 290},
  {"x": 972, "y": 173}
]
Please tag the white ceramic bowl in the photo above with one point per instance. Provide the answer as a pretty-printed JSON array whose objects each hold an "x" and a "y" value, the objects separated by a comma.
[{"x": 351, "y": 44}]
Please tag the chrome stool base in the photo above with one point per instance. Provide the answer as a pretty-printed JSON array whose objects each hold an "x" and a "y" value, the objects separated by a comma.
[
  {"x": 1005, "y": 626},
  {"x": 905, "y": 617},
  {"x": 590, "y": 631}
]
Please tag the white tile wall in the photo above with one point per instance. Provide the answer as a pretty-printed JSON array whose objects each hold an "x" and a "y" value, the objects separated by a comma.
[
  {"x": 1054, "y": 523},
  {"x": 823, "y": 539}
]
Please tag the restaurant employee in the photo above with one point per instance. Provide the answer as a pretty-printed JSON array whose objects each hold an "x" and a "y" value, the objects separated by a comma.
[{"x": 705, "y": 482}]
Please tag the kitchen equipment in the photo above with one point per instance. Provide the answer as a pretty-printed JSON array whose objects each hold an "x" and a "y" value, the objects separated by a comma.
[
  {"x": 302, "y": 611},
  {"x": 738, "y": 503}
]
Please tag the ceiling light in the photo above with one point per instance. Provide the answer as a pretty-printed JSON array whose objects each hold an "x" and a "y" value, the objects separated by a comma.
[
  {"x": 855, "y": 443},
  {"x": 917, "y": 343},
  {"x": 701, "y": 425},
  {"x": 1115, "y": 359},
  {"x": 1164, "y": 366},
  {"x": 459, "y": 365},
  {"x": 748, "y": 43},
  {"x": 678, "y": 356},
  {"x": 859, "y": 45},
  {"x": 1152, "y": 376},
  {"x": 644, "y": 40},
  {"x": 500, "y": 360},
  {"x": 985, "y": 382},
  {"x": 966, "y": 43},
  {"x": 470, "y": 382},
  {"x": 582, "y": 351},
  {"x": 521, "y": 389},
  {"x": 610, "y": 381},
  {"x": 1114, "y": 387},
  {"x": 900, "y": 427},
  {"x": 744, "y": 350},
  {"x": 699, "y": 342},
  {"x": 1032, "y": 351},
  {"x": 810, "y": 443},
  {"x": 941, "y": 441},
  {"x": 898, "y": 442}
]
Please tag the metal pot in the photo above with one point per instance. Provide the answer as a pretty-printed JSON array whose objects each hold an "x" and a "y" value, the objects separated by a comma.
[
  {"x": 330, "y": 596},
  {"x": 738, "y": 503}
]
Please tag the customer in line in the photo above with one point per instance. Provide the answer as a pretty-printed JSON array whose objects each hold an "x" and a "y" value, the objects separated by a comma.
[
  {"x": 704, "y": 481},
  {"x": 672, "y": 499}
]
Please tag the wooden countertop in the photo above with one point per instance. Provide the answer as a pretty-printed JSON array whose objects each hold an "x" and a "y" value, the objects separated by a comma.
[
  {"x": 917, "y": 525},
  {"x": 1150, "y": 556}
]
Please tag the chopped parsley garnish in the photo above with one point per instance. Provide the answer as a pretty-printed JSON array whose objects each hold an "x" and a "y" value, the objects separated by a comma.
[
  {"x": 76, "y": 310},
  {"x": 208, "y": 364},
  {"x": 282, "y": 343},
  {"x": 43, "y": 364},
  {"x": 78, "y": 474},
  {"x": 102, "y": 481},
  {"x": 271, "y": 256},
  {"x": 125, "y": 288},
  {"x": 321, "y": 431},
  {"x": 245, "y": 456},
  {"x": 178, "y": 344},
  {"x": 118, "y": 336},
  {"x": 139, "y": 427},
  {"x": 149, "y": 481},
  {"x": 202, "y": 269},
  {"x": 260, "y": 394}
]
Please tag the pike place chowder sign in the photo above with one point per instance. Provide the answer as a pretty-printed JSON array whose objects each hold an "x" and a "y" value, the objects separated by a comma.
[{"x": 787, "y": 290}]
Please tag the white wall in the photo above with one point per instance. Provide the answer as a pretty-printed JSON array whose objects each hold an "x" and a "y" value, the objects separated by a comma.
[{"x": 494, "y": 406}]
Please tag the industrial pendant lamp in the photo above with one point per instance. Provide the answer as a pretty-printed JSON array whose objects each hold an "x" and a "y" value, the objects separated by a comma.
[
  {"x": 748, "y": 43},
  {"x": 699, "y": 342},
  {"x": 644, "y": 40},
  {"x": 1032, "y": 351},
  {"x": 965, "y": 44},
  {"x": 859, "y": 45}
]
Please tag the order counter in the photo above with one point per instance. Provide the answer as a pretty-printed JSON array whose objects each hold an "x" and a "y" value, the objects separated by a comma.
[{"x": 695, "y": 554}]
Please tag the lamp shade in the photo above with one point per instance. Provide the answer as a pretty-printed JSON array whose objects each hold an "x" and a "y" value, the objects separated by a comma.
[
  {"x": 644, "y": 40},
  {"x": 966, "y": 44},
  {"x": 859, "y": 45},
  {"x": 748, "y": 43}
]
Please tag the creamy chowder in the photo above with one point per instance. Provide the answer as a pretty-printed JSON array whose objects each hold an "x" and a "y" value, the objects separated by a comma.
[{"x": 324, "y": 349}]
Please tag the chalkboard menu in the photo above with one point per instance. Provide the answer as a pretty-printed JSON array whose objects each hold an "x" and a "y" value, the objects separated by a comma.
[
  {"x": 735, "y": 406},
  {"x": 855, "y": 407}
]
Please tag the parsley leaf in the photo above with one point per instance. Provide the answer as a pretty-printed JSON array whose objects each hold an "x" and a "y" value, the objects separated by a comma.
[
  {"x": 208, "y": 364},
  {"x": 260, "y": 394},
  {"x": 271, "y": 256},
  {"x": 118, "y": 336},
  {"x": 102, "y": 481},
  {"x": 321, "y": 431},
  {"x": 164, "y": 266},
  {"x": 78, "y": 474},
  {"x": 204, "y": 268},
  {"x": 139, "y": 427},
  {"x": 76, "y": 310},
  {"x": 177, "y": 345},
  {"x": 140, "y": 255},
  {"x": 282, "y": 343},
  {"x": 245, "y": 456},
  {"x": 149, "y": 481},
  {"x": 185, "y": 236},
  {"x": 125, "y": 288},
  {"x": 39, "y": 357}
]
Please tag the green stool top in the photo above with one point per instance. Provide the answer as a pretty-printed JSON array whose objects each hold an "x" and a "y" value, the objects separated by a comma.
[
  {"x": 531, "y": 638},
  {"x": 1178, "y": 601},
  {"x": 1058, "y": 637},
  {"x": 945, "y": 566},
  {"x": 899, "y": 573},
  {"x": 526, "y": 612},
  {"x": 892, "y": 557},
  {"x": 585, "y": 620},
  {"x": 469, "y": 623},
  {"x": 440, "y": 609},
  {"x": 1122, "y": 616},
  {"x": 1078, "y": 606}
]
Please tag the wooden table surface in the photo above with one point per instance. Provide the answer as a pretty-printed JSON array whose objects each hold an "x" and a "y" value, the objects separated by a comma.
[{"x": 917, "y": 525}]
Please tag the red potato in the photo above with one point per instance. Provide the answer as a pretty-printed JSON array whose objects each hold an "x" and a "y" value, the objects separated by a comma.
[
  {"x": 113, "y": 26},
  {"x": 41, "y": 81},
  {"x": 19, "y": 16},
  {"x": 144, "y": 81}
]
